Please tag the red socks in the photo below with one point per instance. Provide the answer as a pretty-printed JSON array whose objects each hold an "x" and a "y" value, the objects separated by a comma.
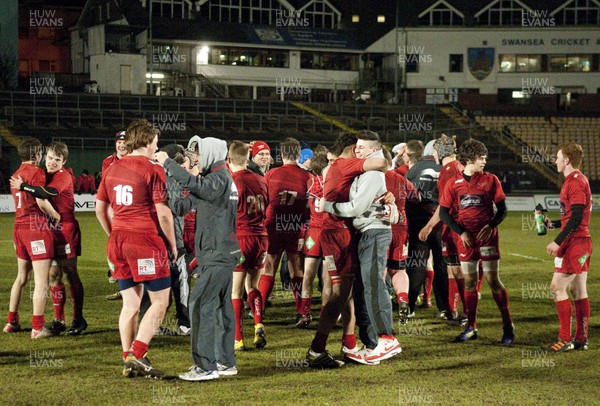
[
  {"x": 501, "y": 299},
  {"x": 582, "y": 316},
  {"x": 296, "y": 286},
  {"x": 480, "y": 278},
  {"x": 265, "y": 285},
  {"x": 402, "y": 297},
  {"x": 349, "y": 341},
  {"x": 563, "y": 307},
  {"x": 428, "y": 284},
  {"x": 453, "y": 296},
  {"x": 76, "y": 291},
  {"x": 59, "y": 299},
  {"x": 305, "y": 306},
  {"x": 13, "y": 317},
  {"x": 139, "y": 349},
  {"x": 238, "y": 310},
  {"x": 471, "y": 301},
  {"x": 256, "y": 305},
  {"x": 37, "y": 322}
]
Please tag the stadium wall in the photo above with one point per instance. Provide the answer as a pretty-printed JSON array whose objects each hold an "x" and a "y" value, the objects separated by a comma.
[{"x": 433, "y": 47}]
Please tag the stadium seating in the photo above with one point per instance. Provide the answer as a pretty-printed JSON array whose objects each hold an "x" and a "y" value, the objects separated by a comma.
[{"x": 540, "y": 132}]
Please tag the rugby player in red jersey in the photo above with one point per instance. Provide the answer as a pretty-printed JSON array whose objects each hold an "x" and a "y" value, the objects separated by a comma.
[
  {"x": 471, "y": 196},
  {"x": 572, "y": 249},
  {"x": 67, "y": 238},
  {"x": 32, "y": 236},
  {"x": 120, "y": 152},
  {"x": 287, "y": 212},
  {"x": 445, "y": 155},
  {"x": 135, "y": 188},
  {"x": 252, "y": 238},
  {"x": 312, "y": 244},
  {"x": 403, "y": 190},
  {"x": 339, "y": 244}
]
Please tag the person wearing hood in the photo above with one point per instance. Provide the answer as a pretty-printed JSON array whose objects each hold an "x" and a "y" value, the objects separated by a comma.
[
  {"x": 211, "y": 312},
  {"x": 424, "y": 175},
  {"x": 445, "y": 155}
]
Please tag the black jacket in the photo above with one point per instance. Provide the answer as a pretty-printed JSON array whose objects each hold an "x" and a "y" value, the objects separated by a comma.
[
  {"x": 424, "y": 175},
  {"x": 253, "y": 166},
  {"x": 215, "y": 198}
]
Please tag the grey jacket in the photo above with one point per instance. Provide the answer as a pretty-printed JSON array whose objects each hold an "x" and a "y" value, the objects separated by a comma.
[
  {"x": 362, "y": 206},
  {"x": 215, "y": 197},
  {"x": 174, "y": 192}
]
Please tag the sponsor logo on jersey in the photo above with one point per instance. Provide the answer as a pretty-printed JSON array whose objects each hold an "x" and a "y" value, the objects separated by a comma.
[
  {"x": 471, "y": 200},
  {"x": 146, "y": 266},
  {"x": 38, "y": 247},
  {"x": 558, "y": 262},
  {"x": 488, "y": 251}
]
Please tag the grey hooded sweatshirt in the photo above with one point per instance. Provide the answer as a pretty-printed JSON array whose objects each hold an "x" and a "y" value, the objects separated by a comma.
[
  {"x": 362, "y": 206},
  {"x": 215, "y": 197}
]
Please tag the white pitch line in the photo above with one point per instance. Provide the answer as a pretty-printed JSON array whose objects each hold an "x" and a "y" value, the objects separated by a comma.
[{"x": 528, "y": 257}]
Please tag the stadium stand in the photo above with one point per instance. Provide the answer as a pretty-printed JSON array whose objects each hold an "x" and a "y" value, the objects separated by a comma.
[{"x": 544, "y": 135}]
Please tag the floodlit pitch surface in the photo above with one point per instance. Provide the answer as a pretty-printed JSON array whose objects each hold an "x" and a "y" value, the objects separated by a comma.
[{"x": 430, "y": 370}]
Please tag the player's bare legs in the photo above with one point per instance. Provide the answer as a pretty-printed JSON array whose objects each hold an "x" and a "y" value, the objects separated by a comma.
[
  {"x": 255, "y": 302},
  {"x": 400, "y": 283},
  {"x": 340, "y": 293},
  {"x": 311, "y": 266},
  {"x": 470, "y": 272},
  {"x": 153, "y": 318},
  {"x": 132, "y": 298},
  {"x": 58, "y": 297},
  {"x": 456, "y": 292},
  {"x": 492, "y": 276},
  {"x": 40, "y": 276},
  {"x": 23, "y": 273},
  {"x": 577, "y": 284},
  {"x": 68, "y": 267},
  {"x": 267, "y": 278},
  {"x": 296, "y": 268},
  {"x": 237, "y": 300}
]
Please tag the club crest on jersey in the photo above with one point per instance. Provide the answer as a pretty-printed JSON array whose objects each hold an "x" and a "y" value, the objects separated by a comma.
[
  {"x": 146, "y": 266},
  {"x": 310, "y": 243},
  {"x": 471, "y": 200}
]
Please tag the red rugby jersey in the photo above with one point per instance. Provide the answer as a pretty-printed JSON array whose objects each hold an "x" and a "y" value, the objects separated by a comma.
[
  {"x": 449, "y": 171},
  {"x": 337, "y": 185},
  {"x": 132, "y": 186},
  {"x": 288, "y": 195},
  {"x": 27, "y": 210},
  {"x": 253, "y": 198},
  {"x": 472, "y": 200},
  {"x": 315, "y": 190},
  {"x": 576, "y": 190},
  {"x": 64, "y": 202}
]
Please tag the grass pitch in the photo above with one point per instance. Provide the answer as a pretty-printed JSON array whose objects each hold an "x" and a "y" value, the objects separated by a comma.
[{"x": 430, "y": 370}]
